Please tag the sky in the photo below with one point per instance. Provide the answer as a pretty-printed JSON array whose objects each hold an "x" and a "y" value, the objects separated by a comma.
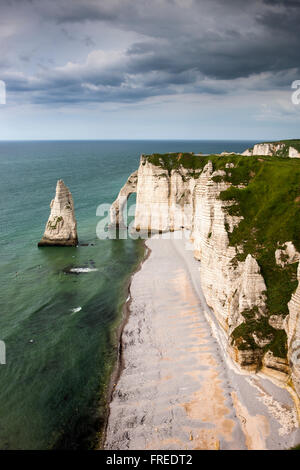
[{"x": 149, "y": 69}]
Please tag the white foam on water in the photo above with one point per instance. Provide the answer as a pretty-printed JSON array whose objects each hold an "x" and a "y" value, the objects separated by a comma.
[
  {"x": 82, "y": 270},
  {"x": 75, "y": 310}
]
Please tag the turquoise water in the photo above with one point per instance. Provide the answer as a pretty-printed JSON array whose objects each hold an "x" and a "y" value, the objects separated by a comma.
[{"x": 52, "y": 392}]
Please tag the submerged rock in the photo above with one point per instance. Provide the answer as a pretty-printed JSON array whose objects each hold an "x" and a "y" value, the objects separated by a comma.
[{"x": 61, "y": 228}]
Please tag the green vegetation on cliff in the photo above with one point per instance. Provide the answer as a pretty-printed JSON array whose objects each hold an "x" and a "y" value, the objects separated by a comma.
[
  {"x": 54, "y": 223},
  {"x": 242, "y": 336},
  {"x": 270, "y": 207},
  {"x": 174, "y": 161}
]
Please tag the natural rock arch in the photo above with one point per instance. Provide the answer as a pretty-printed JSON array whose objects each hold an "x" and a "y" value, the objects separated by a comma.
[{"x": 117, "y": 207}]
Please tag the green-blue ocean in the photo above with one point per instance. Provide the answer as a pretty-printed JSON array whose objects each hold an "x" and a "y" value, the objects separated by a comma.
[{"x": 60, "y": 329}]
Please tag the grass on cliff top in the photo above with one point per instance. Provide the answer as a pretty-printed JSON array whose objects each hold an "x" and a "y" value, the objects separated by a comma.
[
  {"x": 196, "y": 163},
  {"x": 173, "y": 161}
]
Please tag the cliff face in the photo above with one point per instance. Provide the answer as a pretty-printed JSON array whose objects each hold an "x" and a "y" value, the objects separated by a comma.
[
  {"x": 229, "y": 288},
  {"x": 176, "y": 191},
  {"x": 212, "y": 248},
  {"x": 164, "y": 197},
  {"x": 61, "y": 228}
]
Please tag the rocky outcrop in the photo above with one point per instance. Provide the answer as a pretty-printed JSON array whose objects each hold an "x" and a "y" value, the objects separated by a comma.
[
  {"x": 286, "y": 255},
  {"x": 293, "y": 153},
  {"x": 278, "y": 364},
  {"x": 253, "y": 287},
  {"x": 117, "y": 208},
  {"x": 61, "y": 228},
  {"x": 277, "y": 322},
  {"x": 248, "y": 359}
]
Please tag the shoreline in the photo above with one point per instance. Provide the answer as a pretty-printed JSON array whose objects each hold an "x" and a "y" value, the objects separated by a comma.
[
  {"x": 246, "y": 411},
  {"x": 119, "y": 364}
]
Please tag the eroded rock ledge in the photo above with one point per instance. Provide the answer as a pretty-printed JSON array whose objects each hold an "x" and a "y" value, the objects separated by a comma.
[{"x": 61, "y": 227}]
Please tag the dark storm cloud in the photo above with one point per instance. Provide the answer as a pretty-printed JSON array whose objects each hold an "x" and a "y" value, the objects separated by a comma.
[
  {"x": 285, "y": 3},
  {"x": 188, "y": 46}
]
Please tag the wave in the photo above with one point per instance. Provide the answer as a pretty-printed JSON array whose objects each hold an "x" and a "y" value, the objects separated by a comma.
[
  {"x": 82, "y": 270},
  {"x": 76, "y": 310}
]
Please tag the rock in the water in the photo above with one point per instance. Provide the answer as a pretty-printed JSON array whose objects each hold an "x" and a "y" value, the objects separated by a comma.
[{"x": 61, "y": 228}]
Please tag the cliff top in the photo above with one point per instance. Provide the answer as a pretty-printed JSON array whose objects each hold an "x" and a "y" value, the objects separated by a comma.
[
  {"x": 196, "y": 162},
  {"x": 190, "y": 160}
]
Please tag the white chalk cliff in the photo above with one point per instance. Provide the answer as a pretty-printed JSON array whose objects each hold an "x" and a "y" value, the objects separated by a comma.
[
  {"x": 230, "y": 287},
  {"x": 276, "y": 148},
  {"x": 61, "y": 227},
  {"x": 171, "y": 199},
  {"x": 164, "y": 201}
]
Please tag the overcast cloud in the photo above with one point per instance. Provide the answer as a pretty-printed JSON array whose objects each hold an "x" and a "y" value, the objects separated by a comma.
[{"x": 57, "y": 53}]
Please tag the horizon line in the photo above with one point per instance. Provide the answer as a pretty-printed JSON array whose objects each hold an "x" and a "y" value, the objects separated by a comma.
[{"x": 144, "y": 139}]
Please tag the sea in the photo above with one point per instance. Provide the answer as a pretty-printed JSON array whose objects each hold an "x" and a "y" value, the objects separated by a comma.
[{"x": 59, "y": 327}]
